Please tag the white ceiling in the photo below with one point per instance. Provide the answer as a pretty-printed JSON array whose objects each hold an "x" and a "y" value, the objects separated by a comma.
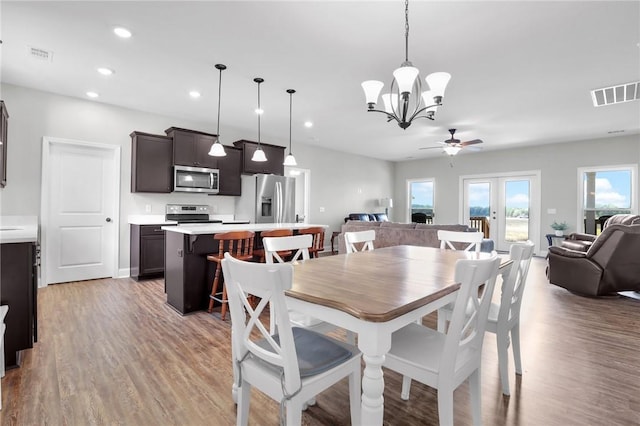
[{"x": 521, "y": 71}]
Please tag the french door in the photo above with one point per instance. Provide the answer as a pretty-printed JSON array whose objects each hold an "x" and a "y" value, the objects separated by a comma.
[{"x": 505, "y": 207}]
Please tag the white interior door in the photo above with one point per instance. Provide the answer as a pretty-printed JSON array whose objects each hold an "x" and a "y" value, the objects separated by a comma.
[
  {"x": 508, "y": 204},
  {"x": 302, "y": 194},
  {"x": 80, "y": 210}
]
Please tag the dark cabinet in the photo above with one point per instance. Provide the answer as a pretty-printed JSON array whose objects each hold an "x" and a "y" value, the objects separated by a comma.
[
  {"x": 191, "y": 148},
  {"x": 4, "y": 119},
  {"x": 151, "y": 163},
  {"x": 146, "y": 255},
  {"x": 18, "y": 290},
  {"x": 230, "y": 167},
  {"x": 274, "y": 154}
]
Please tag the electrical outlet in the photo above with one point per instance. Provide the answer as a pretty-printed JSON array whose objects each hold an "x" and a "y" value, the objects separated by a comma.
[
  {"x": 551, "y": 211},
  {"x": 147, "y": 208},
  {"x": 321, "y": 209}
]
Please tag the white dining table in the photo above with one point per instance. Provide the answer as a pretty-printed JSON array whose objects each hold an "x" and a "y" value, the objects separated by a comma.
[{"x": 373, "y": 294}]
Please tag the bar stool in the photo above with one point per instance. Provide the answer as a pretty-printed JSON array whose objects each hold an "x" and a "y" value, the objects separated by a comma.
[
  {"x": 260, "y": 253},
  {"x": 318, "y": 239},
  {"x": 239, "y": 244}
]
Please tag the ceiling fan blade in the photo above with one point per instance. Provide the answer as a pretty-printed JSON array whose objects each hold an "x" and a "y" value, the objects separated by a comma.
[
  {"x": 473, "y": 142},
  {"x": 431, "y": 147}
]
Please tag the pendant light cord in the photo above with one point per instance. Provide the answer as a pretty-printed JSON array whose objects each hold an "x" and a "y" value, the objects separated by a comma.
[
  {"x": 406, "y": 30},
  {"x": 219, "y": 97},
  {"x": 290, "y": 113},
  {"x": 259, "y": 114}
]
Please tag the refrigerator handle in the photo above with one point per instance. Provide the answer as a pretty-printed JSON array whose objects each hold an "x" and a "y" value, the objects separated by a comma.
[{"x": 279, "y": 195}]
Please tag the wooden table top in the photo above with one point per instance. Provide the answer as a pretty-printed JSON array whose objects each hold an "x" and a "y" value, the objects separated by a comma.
[{"x": 379, "y": 285}]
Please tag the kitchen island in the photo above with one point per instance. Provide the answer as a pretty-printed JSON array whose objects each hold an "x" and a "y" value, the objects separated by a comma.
[{"x": 188, "y": 275}]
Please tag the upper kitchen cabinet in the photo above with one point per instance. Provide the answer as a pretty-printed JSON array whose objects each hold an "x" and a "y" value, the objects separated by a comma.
[
  {"x": 191, "y": 148},
  {"x": 230, "y": 166},
  {"x": 4, "y": 118},
  {"x": 151, "y": 163},
  {"x": 274, "y": 154}
]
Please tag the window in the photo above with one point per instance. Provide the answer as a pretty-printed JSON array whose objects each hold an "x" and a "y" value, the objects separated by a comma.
[
  {"x": 605, "y": 191},
  {"x": 420, "y": 198}
]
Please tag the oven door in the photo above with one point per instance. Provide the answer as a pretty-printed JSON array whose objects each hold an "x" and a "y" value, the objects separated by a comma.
[{"x": 196, "y": 179}]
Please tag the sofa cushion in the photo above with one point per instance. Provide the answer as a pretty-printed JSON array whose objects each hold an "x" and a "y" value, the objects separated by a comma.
[{"x": 398, "y": 225}]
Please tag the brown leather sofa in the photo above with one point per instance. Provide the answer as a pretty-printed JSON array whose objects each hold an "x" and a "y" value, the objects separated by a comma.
[
  {"x": 611, "y": 263},
  {"x": 582, "y": 242}
]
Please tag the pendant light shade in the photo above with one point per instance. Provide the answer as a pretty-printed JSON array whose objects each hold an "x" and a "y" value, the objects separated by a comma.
[
  {"x": 217, "y": 150},
  {"x": 258, "y": 154},
  {"x": 290, "y": 160}
]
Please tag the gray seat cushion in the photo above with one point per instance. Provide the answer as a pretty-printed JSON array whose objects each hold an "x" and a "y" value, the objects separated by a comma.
[{"x": 316, "y": 352}]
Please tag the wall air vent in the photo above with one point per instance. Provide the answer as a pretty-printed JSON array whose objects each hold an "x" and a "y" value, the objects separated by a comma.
[
  {"x": 616, "y": 94},
  {"x": 41, "y": 54}
]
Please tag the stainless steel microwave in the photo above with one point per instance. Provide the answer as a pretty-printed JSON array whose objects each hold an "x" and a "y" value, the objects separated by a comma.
[{"x": 196, "y": 179}]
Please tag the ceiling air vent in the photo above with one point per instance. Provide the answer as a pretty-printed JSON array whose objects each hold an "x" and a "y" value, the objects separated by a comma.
[
  {"x": 41, "y": 54},
  {"x": 616, "y": 94}
]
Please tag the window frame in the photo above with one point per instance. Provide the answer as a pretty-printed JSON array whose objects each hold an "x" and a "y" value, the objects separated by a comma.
[
  {"x": 633, "y": 168},
  {"x": 408, "y": 196}
]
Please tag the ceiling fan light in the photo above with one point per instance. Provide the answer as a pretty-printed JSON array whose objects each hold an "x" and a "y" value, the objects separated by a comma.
[
  {"x": 372, "y": 90},
  {"x": 437, "y": 82},
  {"x": 390, "y": 102},
  {"x": 405, "y": 77},
  {"x": 259, "y": 156},
  {"x": 217, "y": 150},
  {"x": 290, "y": 160},
  {"x": 452, "y": 150}
]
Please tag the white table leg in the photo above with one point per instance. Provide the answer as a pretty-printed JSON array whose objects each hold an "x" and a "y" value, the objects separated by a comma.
[{"x": 373, "y": 347}]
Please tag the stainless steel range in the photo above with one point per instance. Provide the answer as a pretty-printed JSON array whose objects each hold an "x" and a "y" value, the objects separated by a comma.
[{"x": 189, "y": 213}]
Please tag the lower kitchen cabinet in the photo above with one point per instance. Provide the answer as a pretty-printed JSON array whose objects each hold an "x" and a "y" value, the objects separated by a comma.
[
  {"x": 146, "y": 251},
  {"x": 18, "y": 290}
]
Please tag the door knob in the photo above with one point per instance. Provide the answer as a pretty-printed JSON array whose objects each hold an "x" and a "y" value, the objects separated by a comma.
[{"x": 108, "y": 219}]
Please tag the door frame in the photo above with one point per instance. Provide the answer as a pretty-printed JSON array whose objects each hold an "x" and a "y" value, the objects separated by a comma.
[
  {"x": 293, "y": 171},
  {"x": 535, "y": 200},
  {"x": 47, "y": 143}
]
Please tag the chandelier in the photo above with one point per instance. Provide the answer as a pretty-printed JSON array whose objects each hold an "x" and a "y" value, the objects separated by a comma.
[
  {"x": 217, "y": 150},
  {"x": 406, "y": 101}
]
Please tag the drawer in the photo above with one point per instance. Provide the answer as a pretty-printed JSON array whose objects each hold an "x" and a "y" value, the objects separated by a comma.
[{"x": 151, "y": 229}]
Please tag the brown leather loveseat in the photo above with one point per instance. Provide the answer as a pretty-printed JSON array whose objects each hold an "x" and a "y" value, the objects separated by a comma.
[{"x": 611, "y": 263}]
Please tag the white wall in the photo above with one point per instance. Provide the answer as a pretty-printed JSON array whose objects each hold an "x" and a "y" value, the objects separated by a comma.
[
  {"x": 340, "y": 183},
  {"x": 558, "y": 164}
]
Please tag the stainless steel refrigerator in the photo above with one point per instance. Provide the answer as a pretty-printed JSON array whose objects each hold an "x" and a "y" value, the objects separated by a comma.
[{"x": 266, "y": 199}]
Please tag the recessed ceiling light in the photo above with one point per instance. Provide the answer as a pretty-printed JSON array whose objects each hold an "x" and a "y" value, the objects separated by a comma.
[
  {"x": 194, "y": 94},
  {"x": 92, "y": 94},
  {"x": 308, "y": 124},
  {"x": 105, "y": 71},
  {"x": 122, "y": 32}
]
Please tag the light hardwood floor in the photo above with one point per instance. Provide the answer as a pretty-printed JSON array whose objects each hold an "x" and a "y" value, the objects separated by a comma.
[{"x": 112, "y": 352}]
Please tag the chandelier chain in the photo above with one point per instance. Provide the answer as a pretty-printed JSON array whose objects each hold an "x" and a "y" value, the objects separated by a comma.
[{"x": 406, "y": 30}]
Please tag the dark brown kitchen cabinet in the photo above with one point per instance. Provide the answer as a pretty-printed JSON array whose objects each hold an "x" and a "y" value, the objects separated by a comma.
[
  {"x": 151, "y": 163},
  {"x": 274, "y": 154},
  {"x": 230, "y": 167},
  {"x": 146, "y": 256},
  {"x": 18, "y": 290},
  {"x": 4, "y": 119},
  {"x": 191, "y": 148}
]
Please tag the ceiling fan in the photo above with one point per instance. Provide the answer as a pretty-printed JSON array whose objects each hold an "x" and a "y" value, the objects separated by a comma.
[{"x": 453, "y": 146}]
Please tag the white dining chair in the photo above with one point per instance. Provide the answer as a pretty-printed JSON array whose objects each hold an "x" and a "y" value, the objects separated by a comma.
[
  {"x": 504, "y": 317},
  {"x": 298, "y": 245},
  {"x": 366, "y": 238},
  {"x": 447, "y": 238},
  {"x": 445, "y": 361},
  {"x": 292, "y": 366}
]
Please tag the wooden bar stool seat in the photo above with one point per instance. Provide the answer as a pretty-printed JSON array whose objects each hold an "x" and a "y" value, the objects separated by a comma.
[
  {"x": 318, "y": 239},
  {"x": 238, "y": 244},
  {"x": 260, "y": 253}
]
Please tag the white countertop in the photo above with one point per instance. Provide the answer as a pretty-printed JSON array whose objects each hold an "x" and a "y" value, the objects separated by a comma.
[
  {"x": 214, "y": 228},
  {"x": 149, "y": 219},
  {"x": 18, "y": 229}
]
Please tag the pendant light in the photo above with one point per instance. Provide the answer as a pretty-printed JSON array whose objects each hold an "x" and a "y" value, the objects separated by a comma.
[
  {"x": 290, "y": 160},
  {"x": 217, "y": 150},
  {"x": 258, "y": 155}
]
